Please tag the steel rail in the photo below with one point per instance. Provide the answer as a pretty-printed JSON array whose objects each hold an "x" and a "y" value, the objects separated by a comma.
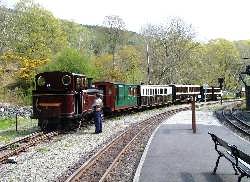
[
  {"x": 244, "y": 131},
  {"x": 241, "y": 121},
  {"x": 79, "y": 172},
  {"x": 25, "y": 139},
  {"x": 30, "y": 143},
  {"x": 116, "y": 161}
]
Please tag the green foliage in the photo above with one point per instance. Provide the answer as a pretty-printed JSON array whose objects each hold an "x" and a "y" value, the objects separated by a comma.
[
  {"x": 79, "y": 37},
  {"x": 127, "y": 69},
  {"x": 72, "y": 61},
  {"x": 221, "y": 59},
  {"x": 130, "y": 65}
]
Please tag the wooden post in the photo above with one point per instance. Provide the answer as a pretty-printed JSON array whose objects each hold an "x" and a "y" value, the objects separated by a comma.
[
  {"x": 16, "y": 121},
  {"x": 193, "y": 115}
]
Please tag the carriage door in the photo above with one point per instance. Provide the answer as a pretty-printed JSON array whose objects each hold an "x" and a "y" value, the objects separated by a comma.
[
  {"x": 78, "y": 96},
  {"x": 120, "y": 95}
]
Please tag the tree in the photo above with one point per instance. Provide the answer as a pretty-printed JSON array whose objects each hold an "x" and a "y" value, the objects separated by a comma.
[
  {"x": 170, "y": 46},
  {"x": 222, "y": 59},
  {"x": 104, "y": 72},
  {"x": 6, "y": 28},
  {"x": 34, "y": 36},
  {"x": 115, "y": 26},
  {"x": 72, "y": 61},
  {"x": 129, "y": 63},
  {"x": 78, "y": 36},
  {"x": 40, "y": 34}
]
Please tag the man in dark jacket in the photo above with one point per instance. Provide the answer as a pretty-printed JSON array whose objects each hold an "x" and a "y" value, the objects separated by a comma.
[{"x": 97, "y": 107}]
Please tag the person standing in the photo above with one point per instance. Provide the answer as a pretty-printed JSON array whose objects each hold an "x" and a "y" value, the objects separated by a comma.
[{"x": 97, "y": 107}]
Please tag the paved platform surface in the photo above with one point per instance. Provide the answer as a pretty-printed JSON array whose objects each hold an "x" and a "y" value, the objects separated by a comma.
[{"x": 174, "y": 153}]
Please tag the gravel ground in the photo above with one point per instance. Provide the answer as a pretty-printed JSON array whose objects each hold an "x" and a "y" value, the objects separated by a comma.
[
  {"x": 7, "y": 110},
  {"x": 50, "y": 160}
]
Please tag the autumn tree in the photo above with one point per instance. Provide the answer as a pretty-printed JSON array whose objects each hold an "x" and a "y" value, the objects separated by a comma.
[
  {"x": 36, "y": 35},
  {"x": 115, "y": 27}
]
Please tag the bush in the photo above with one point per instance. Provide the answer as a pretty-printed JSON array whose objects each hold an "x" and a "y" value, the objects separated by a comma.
[
  {"x": 72, "y": 61},
  {"x": 17, "y": 96}
]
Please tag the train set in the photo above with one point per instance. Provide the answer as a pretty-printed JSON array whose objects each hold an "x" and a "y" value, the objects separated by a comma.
[{"x": 63, "y": 98}]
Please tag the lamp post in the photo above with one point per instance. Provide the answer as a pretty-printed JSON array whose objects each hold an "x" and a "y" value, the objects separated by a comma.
[
  {"x": 221, "y": 81},
  {"x": 245, "y": 78}
]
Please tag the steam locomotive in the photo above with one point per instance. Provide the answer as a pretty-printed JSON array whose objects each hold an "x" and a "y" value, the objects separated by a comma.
[{"x": 64, "y": 98}]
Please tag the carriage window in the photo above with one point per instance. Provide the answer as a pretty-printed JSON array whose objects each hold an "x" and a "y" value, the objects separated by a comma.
[
  {"x": 156, "y": 91},
  {"x": 110, "y": 91},
  {"x": 83, "y": 82},
  {"x": 151, "y": 93},
  {"x": 165, "y": 91},
  {"x": 135, "y": 92},
  {"x": 78, "y": 83},
  {"x": 161, "y": 91}
]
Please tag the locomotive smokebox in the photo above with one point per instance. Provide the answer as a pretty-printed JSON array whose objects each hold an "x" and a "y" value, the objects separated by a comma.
[{"x": 90, "y": 82}]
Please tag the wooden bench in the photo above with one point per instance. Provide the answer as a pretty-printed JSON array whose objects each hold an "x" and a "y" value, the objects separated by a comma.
[{"x": 239, "y": 160}]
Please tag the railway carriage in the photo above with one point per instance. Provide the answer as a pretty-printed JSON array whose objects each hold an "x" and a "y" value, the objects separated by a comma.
[
  {"x": 118, "y": 96},
  {"x": 61, "y": 97},
  {"x": 212, "y": 93},
  {"x": 184, "y": 93},
  {"x": 155, "y": 95}
]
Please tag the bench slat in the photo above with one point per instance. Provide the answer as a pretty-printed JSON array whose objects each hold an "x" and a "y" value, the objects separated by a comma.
[
  {"x": 245, "y": 157},
  {"x": 238, "y": 158}
]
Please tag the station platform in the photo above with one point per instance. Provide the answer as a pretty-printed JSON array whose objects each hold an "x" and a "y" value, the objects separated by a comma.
[{"x": 175, "y": 154}]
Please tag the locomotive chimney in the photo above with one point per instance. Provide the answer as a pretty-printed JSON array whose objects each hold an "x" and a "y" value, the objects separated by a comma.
[{"x": 89, "y": 82}]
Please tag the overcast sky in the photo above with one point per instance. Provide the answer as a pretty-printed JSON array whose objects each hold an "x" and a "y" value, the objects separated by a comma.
[{"x": 210, "y": 19}]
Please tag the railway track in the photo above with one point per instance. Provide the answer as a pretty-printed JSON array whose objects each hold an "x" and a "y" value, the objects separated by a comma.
[
  {"x": 236, "y": 122},
  {"x": 23, "y": 144},
  {"x": 103, "y": 165},
  {"x": 240, "y": 116}
]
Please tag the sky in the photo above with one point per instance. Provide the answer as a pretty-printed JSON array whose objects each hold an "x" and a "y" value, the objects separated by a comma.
[{"x": 210, "y": 19}]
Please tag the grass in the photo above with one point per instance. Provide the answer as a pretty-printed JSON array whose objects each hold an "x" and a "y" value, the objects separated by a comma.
[
  {"x": 43, "y": 149},
  {"x": 6, "y": 123},
  {"x": 8, "y": 131}
]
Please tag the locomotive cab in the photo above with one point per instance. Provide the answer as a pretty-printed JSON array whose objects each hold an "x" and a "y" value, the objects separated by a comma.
[{"x": 58, "y": 95}]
